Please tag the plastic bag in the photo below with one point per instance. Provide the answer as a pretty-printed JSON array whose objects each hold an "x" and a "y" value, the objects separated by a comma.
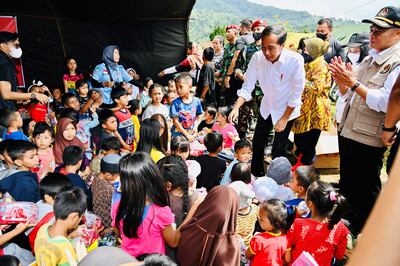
[
  {"x": 89, "y": 236},
  {"x": 91, "y": 220},
  {"x": 265, "y": 188},
  {"x": 18, "y": 212},
  {"x": 91, "y": 223},
  {"x": 7, "y": 198}
]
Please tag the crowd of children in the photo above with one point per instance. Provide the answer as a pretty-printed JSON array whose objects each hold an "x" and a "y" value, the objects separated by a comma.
[{"x": 159, "y": 179}]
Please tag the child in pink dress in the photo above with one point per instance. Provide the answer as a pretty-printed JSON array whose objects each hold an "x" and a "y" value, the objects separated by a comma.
[
  {"x": 227, "y": 129},
  {"x": 142, "y": 215}
]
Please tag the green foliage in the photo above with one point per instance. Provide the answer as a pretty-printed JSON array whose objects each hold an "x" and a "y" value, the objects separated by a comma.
[
  {"x": 208, "y": 15},
  {"x": 218, "y": 30}
]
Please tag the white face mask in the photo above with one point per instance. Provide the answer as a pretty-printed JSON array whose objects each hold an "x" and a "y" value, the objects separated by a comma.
[
  {"x": 353, "y": 57},
  {"x": 16, "y": 53}
]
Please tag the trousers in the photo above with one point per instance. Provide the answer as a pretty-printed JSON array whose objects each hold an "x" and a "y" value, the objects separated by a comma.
[{"x": 260, "y": 140}]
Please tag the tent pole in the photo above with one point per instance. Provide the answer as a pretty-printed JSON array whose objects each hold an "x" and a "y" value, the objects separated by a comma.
[{"x": 58, "y": 26}]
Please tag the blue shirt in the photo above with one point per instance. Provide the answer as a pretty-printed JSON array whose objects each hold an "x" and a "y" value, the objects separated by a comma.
[
  {"x": 101, "y": 74},
  {"x": 226, "y": 179},
  {"x": 17, "y": 135},
  {"x": 186, "y": 113}
]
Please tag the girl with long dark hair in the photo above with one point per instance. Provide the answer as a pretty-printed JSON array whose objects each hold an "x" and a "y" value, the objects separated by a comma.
[
  {"x": 163, "y": 129},
  {"x": 142, "y": 215},
  {"x": 150, "y": 141}
]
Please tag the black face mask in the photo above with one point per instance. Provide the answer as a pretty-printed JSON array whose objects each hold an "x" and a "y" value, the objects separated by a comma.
[
  {"x": 307, "y": 58},
  {"x": 322, "y": 36}
]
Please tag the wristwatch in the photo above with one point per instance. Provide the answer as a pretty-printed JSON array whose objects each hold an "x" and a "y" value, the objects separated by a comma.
[
  {"x": 388, "y": 129},
  {"x": 33, "y": 95},
  {"x": 355, "y": 86}
]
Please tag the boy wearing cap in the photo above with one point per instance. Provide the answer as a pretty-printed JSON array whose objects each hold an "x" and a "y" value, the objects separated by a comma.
[
  {"x": 361, "y": 147},
  {"x": 280, "y": 170},
  {"x": 102, "y": 187}
]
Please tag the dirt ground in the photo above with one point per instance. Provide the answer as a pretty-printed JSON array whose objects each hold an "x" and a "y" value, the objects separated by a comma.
[{"x": 332, "y": 175}]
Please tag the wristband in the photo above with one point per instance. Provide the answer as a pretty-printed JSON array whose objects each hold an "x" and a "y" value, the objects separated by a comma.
[
  {"x": 388, "y": 129},
  {"x": 355, "y": 86}
]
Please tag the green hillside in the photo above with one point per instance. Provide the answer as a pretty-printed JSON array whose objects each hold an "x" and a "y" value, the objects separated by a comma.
[{"x": 208, "y": 14}]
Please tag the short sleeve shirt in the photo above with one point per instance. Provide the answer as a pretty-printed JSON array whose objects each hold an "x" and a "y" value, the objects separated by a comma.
[
  {"x": 150, "y": 238},
  {"x": 52, "y": 250},
  {"x": 71, "y": 79},
  {"x": 186, "y": 114},
  {"x": 8, "y": 74},
  {"x": 268, "y": 249},
  {"x": 229, "y": 128},
  {"x": 126, "y": 128},
  {"x": 206, "y": 78},
  {"x": 101, "y": 74},
  {"x": 318, "y": 240}
]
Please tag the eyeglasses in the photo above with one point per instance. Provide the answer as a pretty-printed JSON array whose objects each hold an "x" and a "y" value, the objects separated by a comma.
[{"x": 373, "y": 30}]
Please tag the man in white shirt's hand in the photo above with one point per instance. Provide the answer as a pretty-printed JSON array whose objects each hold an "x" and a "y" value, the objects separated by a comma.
[{"x": 281, "y": 75}]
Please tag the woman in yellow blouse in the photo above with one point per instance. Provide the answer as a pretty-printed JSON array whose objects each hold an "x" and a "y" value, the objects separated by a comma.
[{"x": 315, "y": 111}]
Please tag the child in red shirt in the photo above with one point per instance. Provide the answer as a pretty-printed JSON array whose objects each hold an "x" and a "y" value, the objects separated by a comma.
[
  {"x": 37, "y": 111},
  {"x": 324, "y": 236},
  {"x": 269, "y": 247}
]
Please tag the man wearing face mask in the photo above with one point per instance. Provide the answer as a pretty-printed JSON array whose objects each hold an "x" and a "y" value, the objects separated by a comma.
[
  {"x": 324, "y": 32},
  {"x": 9, "y": 49}
]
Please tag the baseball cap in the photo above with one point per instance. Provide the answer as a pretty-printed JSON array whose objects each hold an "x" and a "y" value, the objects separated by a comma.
[
  {"x": 357, "y": 39},
  {"x": 259, "y": 22},
  {"x": 387, "y": 17},
  {"x": 232, "y": 27}
]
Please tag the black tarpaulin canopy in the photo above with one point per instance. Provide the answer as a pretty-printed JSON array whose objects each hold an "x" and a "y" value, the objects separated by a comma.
[{"x": 151, "y": 34}]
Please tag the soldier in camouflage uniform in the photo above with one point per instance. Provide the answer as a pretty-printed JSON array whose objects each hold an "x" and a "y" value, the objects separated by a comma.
[
  {"x": 245, "y": 112},
  {"x": 228, "y": 94}
]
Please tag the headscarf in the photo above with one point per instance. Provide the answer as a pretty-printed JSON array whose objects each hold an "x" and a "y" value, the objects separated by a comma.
[
  {"x": 316, "y": 47},
  {"x": 209, "y": 238},
  {"x": 108, "y": 56},
  {"x": 60, "y": 143}
]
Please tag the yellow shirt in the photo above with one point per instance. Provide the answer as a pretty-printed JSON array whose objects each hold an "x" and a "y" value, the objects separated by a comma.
[
  {"x": 156, "y": 155},
  {"x": 136, "y": 124},
  {"x": 52, "y": 251}
]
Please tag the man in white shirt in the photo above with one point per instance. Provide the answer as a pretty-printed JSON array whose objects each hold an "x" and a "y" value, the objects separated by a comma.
[
  {"x": 281, "y": 75},
  {"x": 361, "y": 147}
]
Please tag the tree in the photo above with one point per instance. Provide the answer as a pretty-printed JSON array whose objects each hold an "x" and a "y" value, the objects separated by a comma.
[{"x": 218, "y": 30}]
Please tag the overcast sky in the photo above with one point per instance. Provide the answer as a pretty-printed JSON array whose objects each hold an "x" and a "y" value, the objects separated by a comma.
[{"x": 350, "y": 9}]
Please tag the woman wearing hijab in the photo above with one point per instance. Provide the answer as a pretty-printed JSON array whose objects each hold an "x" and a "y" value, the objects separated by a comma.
[
  {"x": 315, "y": 113},
  {"x": 110, "y": 72},
  {"x": 65, "y": 136},
  {"x": 209, "y": 238}
]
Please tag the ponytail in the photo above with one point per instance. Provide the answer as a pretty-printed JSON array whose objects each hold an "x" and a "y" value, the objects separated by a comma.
[
  {"x": 291, "y": 215},
  {"x": 327, "y": 202},
  {"x": 339, "y": 209}
]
